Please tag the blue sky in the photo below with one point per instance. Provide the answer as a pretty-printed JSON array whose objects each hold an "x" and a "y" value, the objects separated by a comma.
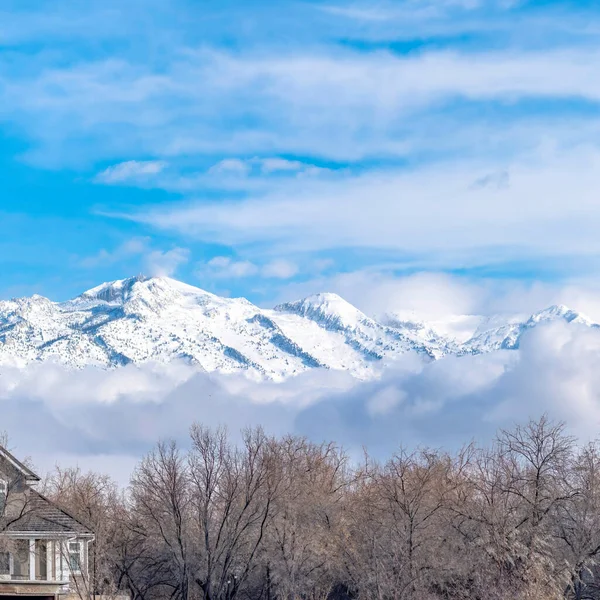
[
  {"x": 430, "y": 156},
  {"x": 272, "y": 149}
]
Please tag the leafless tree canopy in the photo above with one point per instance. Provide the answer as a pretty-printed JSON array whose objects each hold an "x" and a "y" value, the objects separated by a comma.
[{"x": 287, "y": 519}]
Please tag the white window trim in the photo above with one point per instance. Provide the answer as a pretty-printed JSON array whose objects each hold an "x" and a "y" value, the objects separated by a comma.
[
  {"x": 8, "y": 576},
  {"x": 3, "y": 492},
  {"x": 72, "y": 571}
]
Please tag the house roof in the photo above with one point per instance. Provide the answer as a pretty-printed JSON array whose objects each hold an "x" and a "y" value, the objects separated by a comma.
[
  {"x": 43, "y": 516},
  {"x": 38, "y": 514},
  {"x": 17, "y": 464}
]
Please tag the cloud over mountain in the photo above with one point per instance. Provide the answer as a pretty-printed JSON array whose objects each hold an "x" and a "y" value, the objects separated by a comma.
[{"x": 116, "y": 415}]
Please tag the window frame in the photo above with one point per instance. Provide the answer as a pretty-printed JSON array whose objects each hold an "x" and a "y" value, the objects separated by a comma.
[
  {"x": 9, "y": 564},
  {"x": 78, "y": 554}
]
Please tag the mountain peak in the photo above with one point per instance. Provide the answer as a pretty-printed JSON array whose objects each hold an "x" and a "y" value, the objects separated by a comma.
[
  {"x": 327, "y": 308},
  {"x": 113, "y": 292},
  {"x": 556, "y": 312},
  {"x": 326, "y": 299}
]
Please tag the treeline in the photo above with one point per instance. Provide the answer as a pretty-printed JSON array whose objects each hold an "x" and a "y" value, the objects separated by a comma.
[{"x": 286, "y": 519}]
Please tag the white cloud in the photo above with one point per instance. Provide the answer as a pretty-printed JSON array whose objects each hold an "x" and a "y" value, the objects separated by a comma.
[
  {"x": 154, "y": 261},
  {"x": 231, "y": 166},
  {"x": 131, "y": 247},
  {"x": 280, "y": 269},
  {"x": 434, "y": 214},
  {"x": 243, "y": 167},
  {"x": 385, "y": 401},
  {"x": 224, "y": 267},
  {"x": 455, "y": 400},
  {"x": 227, "y": 268},
  {"x": 271, "y": 165},
  {"x": 166, "y": 262},
  {"x": 130, "y": 171},
  {"x": 426, "y": 296},
  {"x": 122, "y": 413},
  {"x": 359, "y": 13},
  {"x": 453, "y": 305},
  {"x": 410, "y": 10},
  {"x": 331, "y": 103},
  {"x": 389, "y": 83}
]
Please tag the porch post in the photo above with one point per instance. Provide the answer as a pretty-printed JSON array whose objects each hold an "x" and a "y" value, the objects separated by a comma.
[
  {"x": 49, "y": 560},
  {"x": 58, "y": 557},
  {"x": 32, "y": 560}
]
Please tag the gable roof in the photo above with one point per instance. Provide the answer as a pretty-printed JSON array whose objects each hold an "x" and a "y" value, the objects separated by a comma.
[
  {"x": 27, "y": 473},
  {"x": 40, "y": 515},
  {"x": 43, "y": 516}
]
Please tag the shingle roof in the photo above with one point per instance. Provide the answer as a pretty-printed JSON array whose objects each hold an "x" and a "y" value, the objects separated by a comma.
[{"x": 41, "y": 515}]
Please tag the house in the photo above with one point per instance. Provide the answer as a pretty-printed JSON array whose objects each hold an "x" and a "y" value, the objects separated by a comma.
[{"x": 43, "y": 549}]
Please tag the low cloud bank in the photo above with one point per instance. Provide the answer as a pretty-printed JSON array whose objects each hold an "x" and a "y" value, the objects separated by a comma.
[{"x": 106, "y": 419}]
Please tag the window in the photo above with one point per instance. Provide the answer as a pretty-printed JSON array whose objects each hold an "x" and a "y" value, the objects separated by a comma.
[
  {"x": 4, "y": 563},
  {"x": 3, "y": 495},
  {"x": 75, "y": 557}
]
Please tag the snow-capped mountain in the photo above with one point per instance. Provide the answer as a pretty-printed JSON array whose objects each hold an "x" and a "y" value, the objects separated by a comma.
[
  {"x": 159, "y": 319},
  {"x": 490, "y": 336}
]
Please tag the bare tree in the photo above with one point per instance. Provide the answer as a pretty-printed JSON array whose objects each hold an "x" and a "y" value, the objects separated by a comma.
[
  {"x": 287, "y": 519},
  {"x": 232, "y": 493},
  {"x": 300, "y": 561},
  {"x": 160, "y": 511},
  {"x": 93, "y": 499},
  {"x": 578, "y": 526}
]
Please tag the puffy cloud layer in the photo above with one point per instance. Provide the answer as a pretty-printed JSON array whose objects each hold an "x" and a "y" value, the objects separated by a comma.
[{"x": 108, "y": 419}]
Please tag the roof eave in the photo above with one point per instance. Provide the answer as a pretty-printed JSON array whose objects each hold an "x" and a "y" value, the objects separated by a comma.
[
  {"x": 47, "y": 535},
  {"x": 29, "y": 475}
]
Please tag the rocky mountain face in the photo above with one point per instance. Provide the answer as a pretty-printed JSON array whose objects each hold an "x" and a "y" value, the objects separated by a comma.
[{"x": 160, "y": 319}]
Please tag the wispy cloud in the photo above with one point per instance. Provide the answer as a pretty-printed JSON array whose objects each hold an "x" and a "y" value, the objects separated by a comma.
[
  {"x": 335, "y": 104},
  {"x": 280, "y": 269},
  {"x": 360, "y": 13},
  {"x": 132, "y": 247},
  {"x": 152, "y": 261},
  {"x": 379, "y": 12},
  {"x": 265, "y": 166},
  {"x": 447, "y": 132},
  {"x": 227, "y": 268},
  {"x": 166, "y": 263},
  {"x": 231, "y": 166},
  {"x": 132, "y": 170},
  {"x": 271, "y": 165},
  {"x": 224, "y": 267},
  {"x": 434, "y": 214}
]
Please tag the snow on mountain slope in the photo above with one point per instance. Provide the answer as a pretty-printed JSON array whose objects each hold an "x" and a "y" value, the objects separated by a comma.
[
  {"x": 159, "y": 319},
  {"x": 452, "y": 328},
  {"x": 372, "y": 341},
  {"x": 490, "y": 336}
]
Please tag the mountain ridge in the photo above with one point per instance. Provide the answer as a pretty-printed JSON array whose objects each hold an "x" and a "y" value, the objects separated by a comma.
[{"x": 141, "y": 319}]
